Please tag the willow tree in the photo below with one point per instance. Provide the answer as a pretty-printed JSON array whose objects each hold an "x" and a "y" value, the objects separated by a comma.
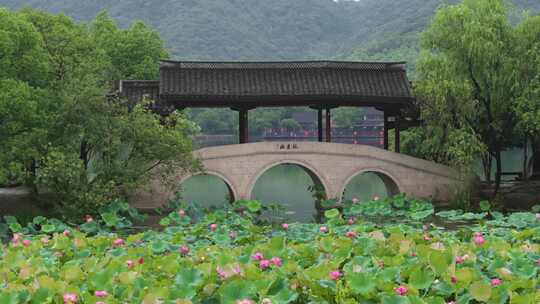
[
  {"x": 467, "y": 77},
  {"x": 527, "y": 107}
]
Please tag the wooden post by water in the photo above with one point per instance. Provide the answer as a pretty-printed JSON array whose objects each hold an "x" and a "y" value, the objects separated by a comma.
[
  {"x": 328, "y": 126},
  {"x": 243, "y": 126}
]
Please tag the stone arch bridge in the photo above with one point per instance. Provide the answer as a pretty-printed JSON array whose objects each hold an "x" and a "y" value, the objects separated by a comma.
[{"x": 331, "y": 166}]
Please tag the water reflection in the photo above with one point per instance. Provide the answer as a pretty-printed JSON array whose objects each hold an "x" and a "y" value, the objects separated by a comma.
[{"x": 287, "y": 185}]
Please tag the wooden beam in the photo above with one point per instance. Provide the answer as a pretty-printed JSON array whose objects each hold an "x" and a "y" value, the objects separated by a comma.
[
  {"x": 385, "y": 130},
  {"x": 397, "y": 141},
  {"x": 319, "y": 125},
  {"x": 243, "y": 126},
  {"x": 328, "y": 125}
]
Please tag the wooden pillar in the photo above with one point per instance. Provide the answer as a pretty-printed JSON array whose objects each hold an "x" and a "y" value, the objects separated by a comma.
[
  {"x": 328, "y": 125},
  {"x": 385, "y": 130},
  {"x": 319, "y": 125},
  {"x": 397, "y": 142},
  {"x": 243, "y": 126}
]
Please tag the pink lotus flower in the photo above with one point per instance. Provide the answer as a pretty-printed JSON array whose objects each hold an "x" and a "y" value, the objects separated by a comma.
[
  {"x": 413, "y": 254},
  {"x": 26, "y": 242},
  {"x": 184, "y": 249},
  {"x": 350, "y": 221},
  {"x": 451, "y": 302},
  {"x": 244, "y": 301},
  {"x": 538, "y": 262},
  {"x": 45, "y": 240},
  {"x": 88, "y": 218},
  {"x": 70, "y": 298},
  {"x": 237, "y": 269},
  {"x": 355, "y": 200},
  {"x": 182, "y": 212},
  {"x": 100, "y": 293},
  {"x": 100, "y": 302},
  {"x": 323, "y": 229},
  {"x": 66, "y": 232},
  {"x": 221, "y": 273},
  {"x": 232, "y": 235},
  {"x": 401, "y": 290},
  {"x": 425, "y": 227},
  {"x": 257, "y": 256},
  {"x": 285, "y": 226},
  {"x": 350, "y": 234},
  {"x": 263, "y": 264},
  {"x": 496, "y": 282},
  {"x": 130, "y": 264},
  {"x": 453, "y": 279},
  {"x": 426, "y": 237},
  {"x": 16, "y": 238},
  {"x": 213, "y": 227},
  {"x": 118, "y": 242},
  {"x": 335, "y": 275},
  {"x": 479, "y": 240},
  {"x": 276, "y": 261},
  {"x": 459, "y": 259},
  {"x": 141, "y": 260}
]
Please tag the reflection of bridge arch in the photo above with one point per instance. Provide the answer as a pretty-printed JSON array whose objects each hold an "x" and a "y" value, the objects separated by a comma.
[
  {"x": 316, "y": 177},
  {"x": 333, "y": 165},
  {"x": 232, "y": 191},
  {"x": 390, "y": 182}
]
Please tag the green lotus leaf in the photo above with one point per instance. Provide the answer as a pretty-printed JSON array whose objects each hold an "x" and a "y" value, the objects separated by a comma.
[
  {"x": 232, "y": 291},
  {"x": 189, "y": 277},
  {"x": 395, "y": 299},
  {"x": 421, "y": 278},
  {"x": 159, "y": 246},
  {"x": 361, "y": 283},
  {"x": 253, "y": 206},
  {"x": 421, "y": 214},
  {"x": 480, "y": 291},
  {"x": 165, "y": 221},
  {"x": 332, "y": 213},
  {"x": 111, "y": 219},
  {"x": 48, "y": 228}
]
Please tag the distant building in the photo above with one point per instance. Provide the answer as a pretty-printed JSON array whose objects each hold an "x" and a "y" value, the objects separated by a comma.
[{"x": 367, "y": 130}]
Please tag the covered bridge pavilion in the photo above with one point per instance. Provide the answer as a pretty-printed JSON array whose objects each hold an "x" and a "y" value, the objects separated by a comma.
[{"x": 243, "y": 86}]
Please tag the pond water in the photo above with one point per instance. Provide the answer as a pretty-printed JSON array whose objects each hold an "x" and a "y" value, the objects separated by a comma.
[{"x": 286, "y": 185}]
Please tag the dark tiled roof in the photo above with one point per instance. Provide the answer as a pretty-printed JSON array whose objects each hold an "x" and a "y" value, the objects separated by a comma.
[
  {"x": 309, "y": 80},
  {"x": 292, "y": 83}
]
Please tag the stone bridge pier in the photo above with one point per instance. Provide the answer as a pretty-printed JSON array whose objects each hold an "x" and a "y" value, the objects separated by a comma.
[{"x": 331, "y": 166}]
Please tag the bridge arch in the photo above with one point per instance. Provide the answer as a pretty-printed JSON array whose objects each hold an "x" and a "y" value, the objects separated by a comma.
[
  {"x": 317, "y": 178},
  {"x": 390, "y": 182},
  {"x": 228, "y": 182}
]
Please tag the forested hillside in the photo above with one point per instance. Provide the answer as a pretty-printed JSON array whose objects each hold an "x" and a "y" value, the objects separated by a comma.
[{"x": 270, "y": 30}]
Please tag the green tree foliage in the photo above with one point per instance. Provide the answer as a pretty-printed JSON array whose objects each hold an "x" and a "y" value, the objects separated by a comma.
[
  {"x": 527, "y": 107},
  {"x": 60, "y": 134},
  {"x": 347, "y": 116},
  {"x": 467, "y": 81},
  {"x": 290, "y": 124}
]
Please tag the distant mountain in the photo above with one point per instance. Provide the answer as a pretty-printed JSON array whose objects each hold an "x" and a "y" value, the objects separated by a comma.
[{"x": 270, "y": 29}]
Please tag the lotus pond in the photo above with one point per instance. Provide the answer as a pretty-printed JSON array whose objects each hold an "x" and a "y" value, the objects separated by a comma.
[{"x": 236, "y": 255}]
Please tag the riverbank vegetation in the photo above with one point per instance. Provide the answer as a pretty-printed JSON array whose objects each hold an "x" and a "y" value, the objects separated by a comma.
[
  {"x": 63, "y": 134},
  {"x": 236, "y": 255}
]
